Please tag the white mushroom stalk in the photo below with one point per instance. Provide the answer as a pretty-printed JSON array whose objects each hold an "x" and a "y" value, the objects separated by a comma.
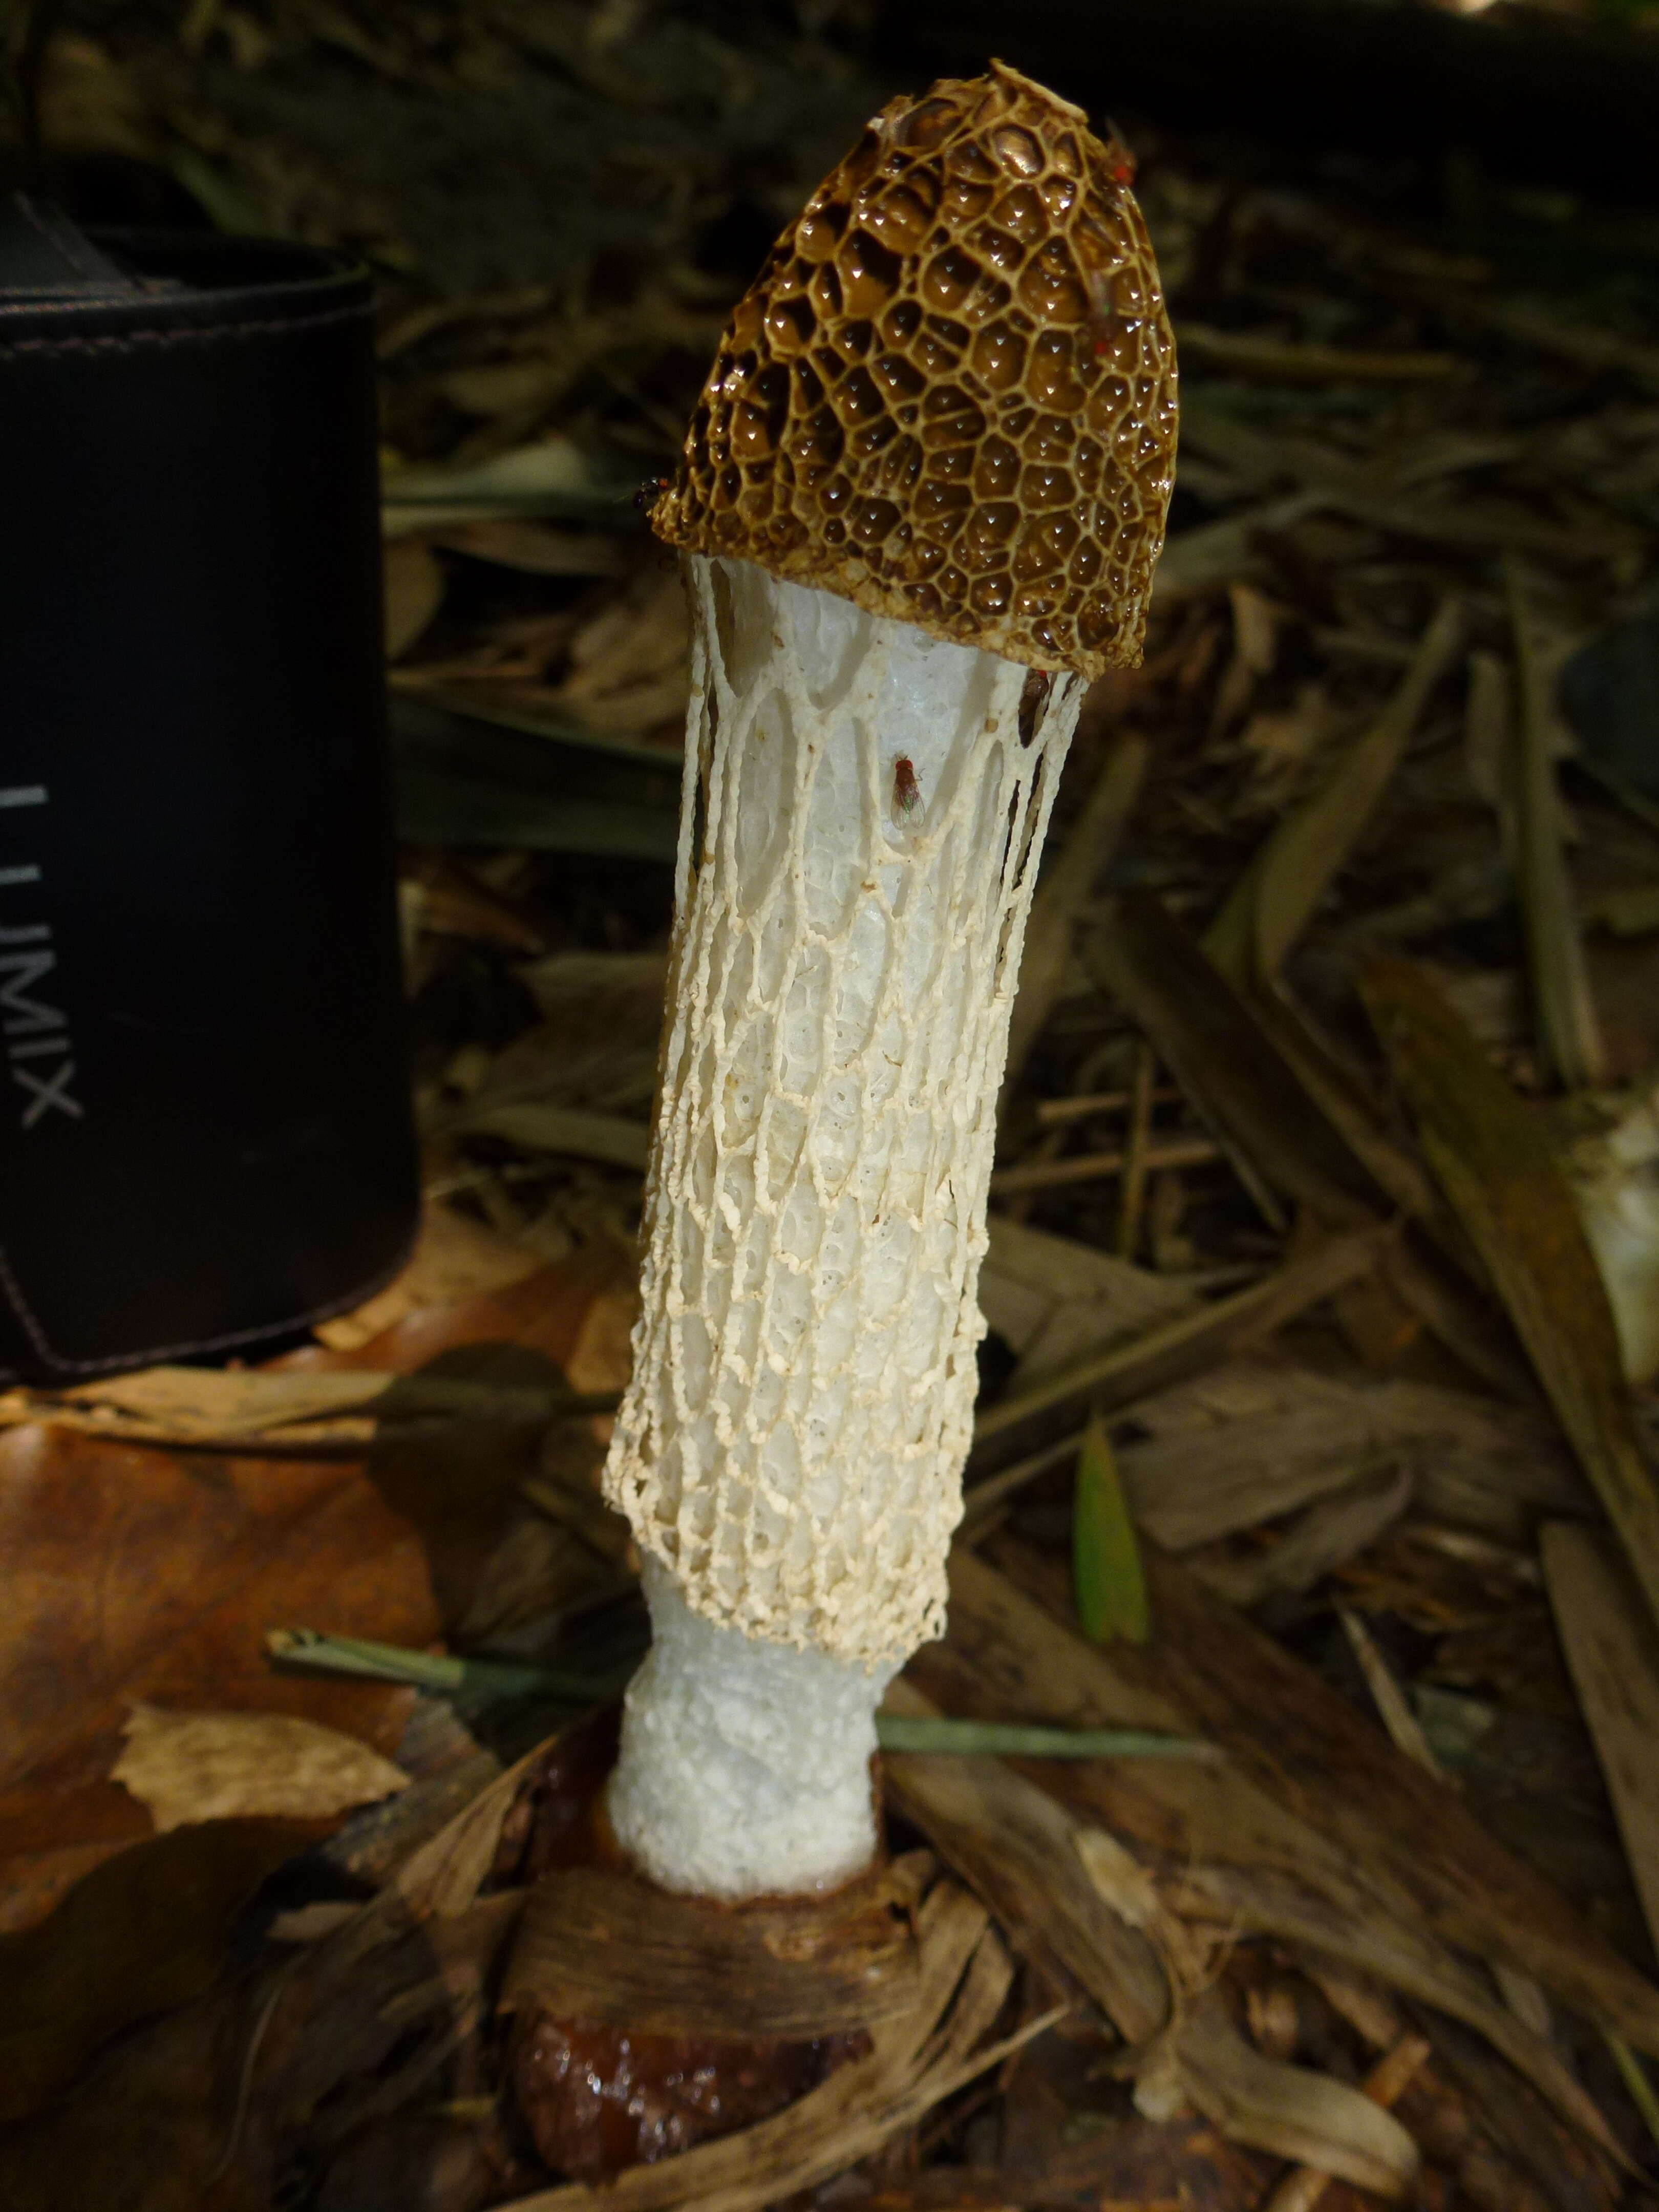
[
  {"x": 866, "y": 811},
  {"x": 921, "y": 503}
]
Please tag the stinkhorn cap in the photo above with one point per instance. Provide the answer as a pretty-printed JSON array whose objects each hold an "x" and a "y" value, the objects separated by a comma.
[{"x": 950, "y": 395}]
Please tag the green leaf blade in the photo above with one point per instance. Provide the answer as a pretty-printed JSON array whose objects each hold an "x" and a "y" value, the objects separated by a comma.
[
  {"x": 935, "y": 1736},
  {"x": 1107, "y": 1576}
]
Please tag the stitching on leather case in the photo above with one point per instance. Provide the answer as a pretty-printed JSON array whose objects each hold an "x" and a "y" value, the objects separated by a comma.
[
  {"x": 185, "y": 334},
  {"x": 37, "y": 1336}
]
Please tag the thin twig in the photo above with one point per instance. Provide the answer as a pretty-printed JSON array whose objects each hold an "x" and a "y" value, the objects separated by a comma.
[
  {"x": 1050, "y": 1110},
  {"x": 1096, "y": 1167}
]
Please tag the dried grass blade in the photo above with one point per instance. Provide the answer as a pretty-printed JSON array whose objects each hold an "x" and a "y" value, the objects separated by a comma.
[
  {"x": 1013, "y": 1843},
  {"x": 1282, "y": 1144},
  {"x": 1571, "y": 2174},
  {"x": 1489, "y": 744},
  {"x": 1276, "y": 358},
  {"x": 1392, "y": 1707},
  {"x": 1562, "y": 1006},
  {"x": 1392, "y": 1948},
  {"x": 1494, "y": 1163},
  {"x": 1378, "y": 1865},
  {"x": 1293, "y": 1118},
  {"x": 1055, "y": 1301},
  {"x": 1385, "y": 2085},
  {"x": 1281, "y": 887},
  {"x": 1610, "y": 1651},
  {"x": 1133, "y": 1191},
  {"x": 1178, "y": 1348},
  {"x": 1338, "y": 1091},
  {"x": 1290, "y": 2112},
  {"x": 1323, "y": 1538},
  {"x": 1634, "y": 2075}
]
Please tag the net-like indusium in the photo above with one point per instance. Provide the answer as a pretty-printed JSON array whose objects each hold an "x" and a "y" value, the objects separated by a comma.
[
  {"x": 950, "y": 395},
  {"x": 864, "y": 809}
]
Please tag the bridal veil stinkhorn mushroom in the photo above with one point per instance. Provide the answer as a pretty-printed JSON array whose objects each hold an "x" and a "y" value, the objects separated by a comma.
[{"x": 921, "y": 502}]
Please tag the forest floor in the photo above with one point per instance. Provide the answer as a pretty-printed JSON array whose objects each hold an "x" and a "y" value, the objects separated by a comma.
[{"x": 1303, "y": 1431}]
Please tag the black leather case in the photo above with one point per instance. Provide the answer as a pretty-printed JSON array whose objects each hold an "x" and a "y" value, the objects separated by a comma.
[{"x": 205, "y": 1138}]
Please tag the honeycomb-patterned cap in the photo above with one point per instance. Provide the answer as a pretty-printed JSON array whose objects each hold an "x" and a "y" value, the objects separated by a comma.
[{"x": 950, "y": 395}]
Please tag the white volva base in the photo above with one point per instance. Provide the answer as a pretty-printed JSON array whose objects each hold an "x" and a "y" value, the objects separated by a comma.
[{"x": 746, "y": 1765}]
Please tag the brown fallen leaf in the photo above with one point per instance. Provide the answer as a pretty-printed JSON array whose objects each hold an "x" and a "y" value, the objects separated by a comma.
[
  {"x": 156, "y": 1576},
  {"x": 187, "y": 1767},
  {"x": 146, "y": 2129},
  {"x": 144, "y": 1933},
  {"x": 188, "y": 2113},
  {"x": 545, "y": 1312},
  {"x": 253, "y": 1411},
  {"x": 143, "y": 1574}
]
